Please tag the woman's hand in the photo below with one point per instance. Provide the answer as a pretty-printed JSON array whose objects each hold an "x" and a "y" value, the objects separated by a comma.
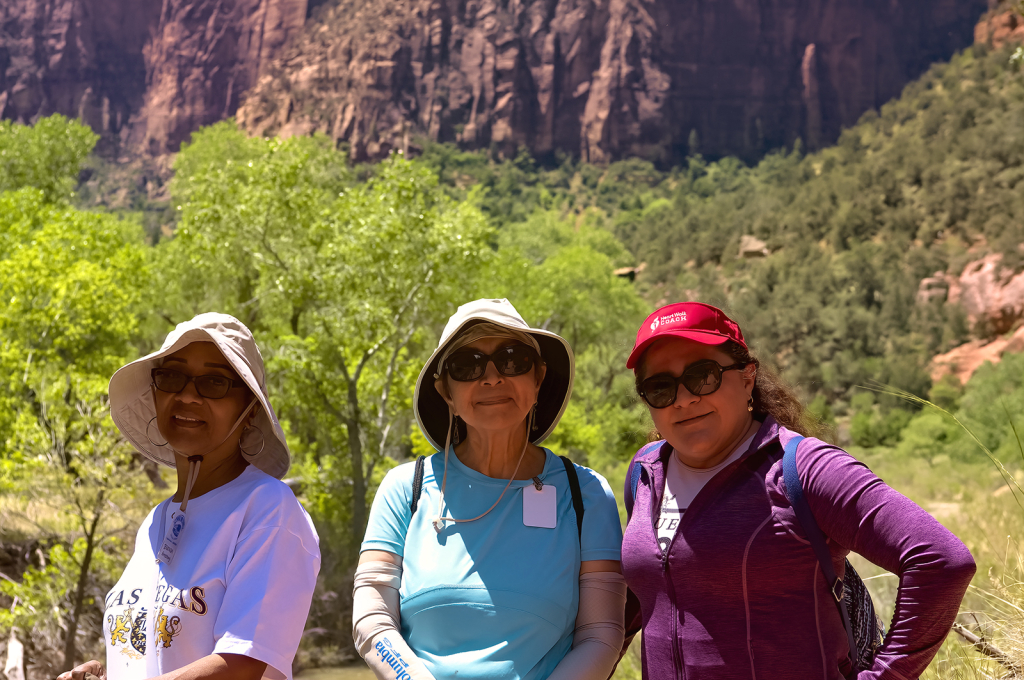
[{"x": 93, "y": 667}]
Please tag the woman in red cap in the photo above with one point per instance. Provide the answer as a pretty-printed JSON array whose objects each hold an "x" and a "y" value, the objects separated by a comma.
[{"x": 739, "y": 526}]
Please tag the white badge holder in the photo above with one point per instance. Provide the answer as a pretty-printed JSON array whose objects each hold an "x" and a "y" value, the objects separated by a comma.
[
  {"x": 170, "y": 544},
  {"x": 540, "y": 507}
]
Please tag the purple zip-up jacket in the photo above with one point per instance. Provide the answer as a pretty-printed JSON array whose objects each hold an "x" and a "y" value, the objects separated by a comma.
[{"x": 739, "y": 593}]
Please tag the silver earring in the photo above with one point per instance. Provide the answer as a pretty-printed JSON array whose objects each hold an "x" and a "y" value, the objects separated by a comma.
[
  {"x": 455, "y": 435},
  {"x": 148, "y": 425},
  {"x": 533, "y": 418},
  {"x": 246, "y": 441}
]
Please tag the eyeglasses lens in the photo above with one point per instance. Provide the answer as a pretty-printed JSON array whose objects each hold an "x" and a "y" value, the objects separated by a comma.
[
  {"x": 208, "y": 386},
  {"x": 700, "y": 379},
  {"x": 659, "y": 392},
  {"x": 510, "y": 361}
]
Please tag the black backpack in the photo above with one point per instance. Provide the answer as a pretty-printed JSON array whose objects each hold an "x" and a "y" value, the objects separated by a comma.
[
  {"x": 570, "y": 471},
  {"x": 864, "y": 630}
]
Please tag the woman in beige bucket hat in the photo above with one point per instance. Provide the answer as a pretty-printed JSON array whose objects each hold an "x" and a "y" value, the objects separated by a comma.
[
  {"x": 226, "y": 594},
  {"x": 492, "y": 558}
]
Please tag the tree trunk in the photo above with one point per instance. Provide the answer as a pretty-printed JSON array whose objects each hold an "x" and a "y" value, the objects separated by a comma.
[
  {"x": 83, "y": 579},
  {"x": 355, "y": 448},
  {"x": 14, "y": 669}
]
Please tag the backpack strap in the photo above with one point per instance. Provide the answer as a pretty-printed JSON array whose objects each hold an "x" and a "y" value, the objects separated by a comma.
[
  {"x": 577, "y": 495},
  {"x": 633, "y": 473},
  {"x": 417, "y": 485},
  {"x": 795, "y": 491}
]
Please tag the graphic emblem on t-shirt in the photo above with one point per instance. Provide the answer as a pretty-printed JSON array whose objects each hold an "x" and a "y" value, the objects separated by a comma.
[
  {"x": 166, "y": 628},
  {"x": 119, "y": 626},
  {"x": 123, "y": 629},
  {"x": 139, "y": 632}
]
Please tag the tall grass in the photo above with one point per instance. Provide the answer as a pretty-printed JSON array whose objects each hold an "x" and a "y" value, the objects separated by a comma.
[{"x": 982, "y": 505}]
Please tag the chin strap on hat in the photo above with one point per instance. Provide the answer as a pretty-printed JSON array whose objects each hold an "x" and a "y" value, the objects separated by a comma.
[
  {"x": 173, "y": 534},
  {"x": 439, "y": 522}
]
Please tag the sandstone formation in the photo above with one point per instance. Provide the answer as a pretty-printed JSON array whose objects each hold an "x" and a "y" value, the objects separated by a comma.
[
  {"x": 203, "y": 55},
  {"x": 991, "y": 294},
  {"x": 964, "y": 360},
  {"x": 1000, "y": 27},
  {"x": 82, "y": 58},
  {"x": 149, "y": 71},
  {"x": 601, "y": 79}
]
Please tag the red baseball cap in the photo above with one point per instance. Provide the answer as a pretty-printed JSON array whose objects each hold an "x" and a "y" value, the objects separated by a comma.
[{"x": 692, "y": 320}]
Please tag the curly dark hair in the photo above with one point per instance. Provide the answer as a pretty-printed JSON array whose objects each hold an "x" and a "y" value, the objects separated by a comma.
[{"x": 772, "y": 396}]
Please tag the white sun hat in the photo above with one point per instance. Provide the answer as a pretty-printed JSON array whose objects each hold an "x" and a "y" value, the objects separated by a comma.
[
  {"x": 131, "y": 393},
  {"x": 431, "y": 409}
]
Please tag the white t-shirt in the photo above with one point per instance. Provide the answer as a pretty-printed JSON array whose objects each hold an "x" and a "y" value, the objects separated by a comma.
[
  {"x": 241, "y": 582},
  {"x": 682, "y": 484}
]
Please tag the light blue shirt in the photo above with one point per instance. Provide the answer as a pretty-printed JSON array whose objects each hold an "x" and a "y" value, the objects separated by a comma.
[{"x": 492, "y": 598}]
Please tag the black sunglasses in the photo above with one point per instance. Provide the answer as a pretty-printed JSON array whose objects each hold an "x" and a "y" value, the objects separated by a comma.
[
  {"x": 208, "y": 386},
  {"x": 700, "y": 378},
  {"x": 469, "y": 365}
]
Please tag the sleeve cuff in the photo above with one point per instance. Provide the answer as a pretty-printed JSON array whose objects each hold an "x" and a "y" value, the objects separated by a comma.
[
  {"x": 387, "y": 546},
  {"x": 602, "y": 554},
  {"x": 278, "y": 667}
]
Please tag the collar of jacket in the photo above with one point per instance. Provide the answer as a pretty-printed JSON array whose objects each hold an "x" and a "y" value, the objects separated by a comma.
[{"x": 655, "y": 460}]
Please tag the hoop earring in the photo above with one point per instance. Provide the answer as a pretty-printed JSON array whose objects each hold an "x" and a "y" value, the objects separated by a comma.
[
  {"x": 247, "y": 433},
  {"x": 750, "y": 403},
  {"x": 148, "y": 425}
]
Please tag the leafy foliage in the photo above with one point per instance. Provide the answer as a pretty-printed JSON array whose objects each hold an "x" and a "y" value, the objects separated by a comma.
[
  {"x": 922, "y": 186},
  {"x": 69, "y": 282},
  {"x": 46, "y": 156}
]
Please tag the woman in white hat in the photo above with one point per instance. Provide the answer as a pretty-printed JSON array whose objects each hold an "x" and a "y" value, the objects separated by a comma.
[
  {"x": 225, "y": 595},
  {"x": 484, "y": 565}
]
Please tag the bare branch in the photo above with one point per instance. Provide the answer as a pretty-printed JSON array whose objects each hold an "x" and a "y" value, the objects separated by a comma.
[
  {"x": 395, "y": 322},
  {"x": 986, "y": 648}
]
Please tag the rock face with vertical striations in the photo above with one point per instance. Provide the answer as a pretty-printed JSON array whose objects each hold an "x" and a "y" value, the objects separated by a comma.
[
  {"x": 596, "y": 79},
  {"x": 148, "y": 71},
  {"x": 203, "y": 56},
  {"x": 82, "y": 58},
  {"x": 601, "y": 79}
]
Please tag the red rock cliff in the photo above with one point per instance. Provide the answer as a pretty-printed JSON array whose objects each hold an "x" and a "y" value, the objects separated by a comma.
[
  {"x": 150, "y": 71},
  {"x": 602, "y": 79},
  {"x": 599, "y": 79},
  {"x": 77, "y": 57},
  {"x": 202, "y": 57}
]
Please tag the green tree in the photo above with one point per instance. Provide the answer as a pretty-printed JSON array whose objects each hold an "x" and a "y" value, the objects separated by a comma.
[
  {"x": 46, "y": 156},
  {"x": 559, "y": 272},
  {"x": 341, "y": 279},
  {"x": 70, "y": 282}
]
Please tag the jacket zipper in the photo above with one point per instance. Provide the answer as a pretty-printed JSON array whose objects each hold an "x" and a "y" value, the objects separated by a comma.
[{"x": 655, "y": 516}]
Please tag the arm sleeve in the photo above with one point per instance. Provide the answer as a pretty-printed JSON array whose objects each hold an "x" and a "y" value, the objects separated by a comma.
[
  {"x": 861, "y": 513},
  {"x": 597, "y": 640},
  {"x": 269, "y": 587},
  {"x": 390, "y": 513},
  {"x": 375, "y": 624},
  {"x": 602, "y": 533}
]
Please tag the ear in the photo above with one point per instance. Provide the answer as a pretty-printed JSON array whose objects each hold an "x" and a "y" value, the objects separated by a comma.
[
  {"x": 252, "y": 414},
  {"x": 539, "y": 373},
  {"x": 441, "y": 385},
  {"x": 749, "y": 375}
]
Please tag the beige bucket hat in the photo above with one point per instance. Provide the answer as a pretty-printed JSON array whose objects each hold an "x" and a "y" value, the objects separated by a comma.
[
  {"x": 131, "y": 395},
  {"x": 432, "y": 410}
]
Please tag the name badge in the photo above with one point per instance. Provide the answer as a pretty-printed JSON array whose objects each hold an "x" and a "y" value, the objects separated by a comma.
[
  {"x": 539, "y": 507},
  {"x": 170, "y": 545}
]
